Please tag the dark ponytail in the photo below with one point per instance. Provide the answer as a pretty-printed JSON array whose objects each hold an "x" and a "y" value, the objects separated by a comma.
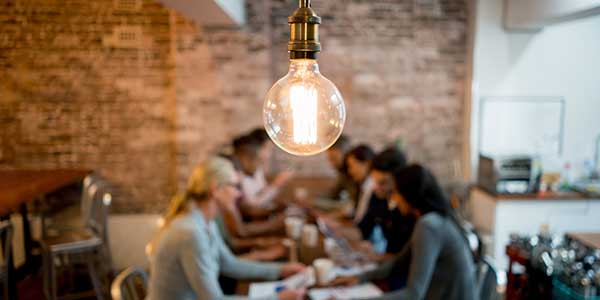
[{"x": 421, "y": 190}]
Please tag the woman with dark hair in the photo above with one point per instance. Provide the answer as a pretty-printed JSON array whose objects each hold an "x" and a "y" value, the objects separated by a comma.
[
  {"x": 358, "y": 164},
  {"x": 440, "y": 262},
  {"x": 336, "y": 155}
]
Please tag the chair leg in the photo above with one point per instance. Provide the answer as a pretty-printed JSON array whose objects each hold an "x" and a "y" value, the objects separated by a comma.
[
  {"x": 53, "y": 278},
  {"x": 95, "y": 280},
  {"x": 5, "y": 288},
  {"x": 107, "y": 258},
  {"x": 105, "y": 261},
  {"x": 46, "y": 272},
  {"x": 49, "y": 276}
]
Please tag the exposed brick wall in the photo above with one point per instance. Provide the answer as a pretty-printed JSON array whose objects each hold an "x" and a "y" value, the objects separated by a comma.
[
  {"x": 69, "y": 100},
  {"x": 144, "y": 115}
]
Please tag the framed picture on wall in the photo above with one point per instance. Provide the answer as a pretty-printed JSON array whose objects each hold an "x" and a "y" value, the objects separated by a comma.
[{"x": 521, "y": 125}]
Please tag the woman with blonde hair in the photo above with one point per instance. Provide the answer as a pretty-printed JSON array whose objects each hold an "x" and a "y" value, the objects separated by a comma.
[{"x": 188, "y": 253}]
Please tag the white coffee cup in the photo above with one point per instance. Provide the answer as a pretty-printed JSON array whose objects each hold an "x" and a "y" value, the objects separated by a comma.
[
  {"x": 323, "y": 270},
  {"x": 293, "y": 227},
  {"x": 310, "y": 236}
]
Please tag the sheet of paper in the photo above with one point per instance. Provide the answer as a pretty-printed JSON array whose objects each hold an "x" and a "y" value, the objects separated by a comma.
[
  {"x": 360, "y": 291},
  {"x": 267, "y": 289},
  {"x": 353, "y": 271},
  {"x": 263, "y": 289}
]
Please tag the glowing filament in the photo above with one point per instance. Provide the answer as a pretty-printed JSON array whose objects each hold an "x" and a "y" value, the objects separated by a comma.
[{"x": 304, "y": 114}]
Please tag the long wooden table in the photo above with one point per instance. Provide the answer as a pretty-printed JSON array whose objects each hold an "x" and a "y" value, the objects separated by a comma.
[
  {"x": 21, "y": 186},
  {"x": 17, "y": 189}
]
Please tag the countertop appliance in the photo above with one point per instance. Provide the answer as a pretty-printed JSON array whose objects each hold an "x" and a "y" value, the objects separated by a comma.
[{"x": 514, "y": 174}]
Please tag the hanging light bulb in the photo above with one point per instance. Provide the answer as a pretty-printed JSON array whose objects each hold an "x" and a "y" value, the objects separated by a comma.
[{"x": 304, "y": 113}]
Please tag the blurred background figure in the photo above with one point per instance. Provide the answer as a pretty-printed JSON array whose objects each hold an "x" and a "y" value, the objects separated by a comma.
[
  {"x": 344, "y": 187},
  {"x": 383, "y": 224},
  {"x": 188, "y": 253},
  {"x": 251, "y": 153},
  {"x": 438, "y": 249},
  {"x": 358, "y": 164}
]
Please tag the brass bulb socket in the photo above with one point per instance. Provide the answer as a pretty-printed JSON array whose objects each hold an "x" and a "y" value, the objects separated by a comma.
[{"x": 304, "y": 32}]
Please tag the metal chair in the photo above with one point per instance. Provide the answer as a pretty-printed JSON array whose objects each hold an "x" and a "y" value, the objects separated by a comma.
[
  {"x": 131, "y": 284},
  {"x": 487, "y": 280},
  {"x": 91, "y": 183},
  {"x": 6, "y": 232},
  {"x": 88, "y": 247}
]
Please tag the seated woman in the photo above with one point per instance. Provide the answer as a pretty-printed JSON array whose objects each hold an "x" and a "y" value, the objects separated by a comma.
[
  {"x": 335, "y": 156},
  {"x": 358, "y": 162},
  {"x": 188, "y": 253},
  {"x": 440, "y": 262}
]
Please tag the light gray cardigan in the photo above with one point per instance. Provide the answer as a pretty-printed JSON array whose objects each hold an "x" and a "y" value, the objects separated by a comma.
[
  {"x": 188, "y": 258},
  {"x": 441, "y": 265}
]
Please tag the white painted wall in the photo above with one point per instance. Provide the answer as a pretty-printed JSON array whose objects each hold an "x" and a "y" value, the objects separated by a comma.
[
  {"x": 535, "y": 14},
  {"x": 128, "y": 236},
  {"x": 562, "y": 60}
]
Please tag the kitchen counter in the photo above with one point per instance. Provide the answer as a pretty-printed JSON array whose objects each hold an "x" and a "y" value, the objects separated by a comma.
[
  {"x": 497, "y": 216},
  {"x": 537, "y": 196},
  {"x": 589, "y": 239}
]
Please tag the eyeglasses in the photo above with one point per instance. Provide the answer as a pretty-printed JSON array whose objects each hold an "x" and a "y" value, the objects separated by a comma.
[{"x": 237, "y": 186}]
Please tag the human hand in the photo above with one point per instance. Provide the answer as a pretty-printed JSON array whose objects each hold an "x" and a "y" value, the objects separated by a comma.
[
  {"x": 291, "y": 268},
  {"x": 363, "y": 247},
  {"x": 282, "y": 178},
  {"x": 289, "y": 294},
  {"x": 331, "y": 223},
  {"x": 345, "y": 281}
]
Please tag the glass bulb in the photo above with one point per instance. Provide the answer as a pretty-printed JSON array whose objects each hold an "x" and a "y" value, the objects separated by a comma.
[{"x": 304, "y": 113}]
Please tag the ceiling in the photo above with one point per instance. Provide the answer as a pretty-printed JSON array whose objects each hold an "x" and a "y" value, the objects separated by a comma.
[{"x": 211, "y": 13}]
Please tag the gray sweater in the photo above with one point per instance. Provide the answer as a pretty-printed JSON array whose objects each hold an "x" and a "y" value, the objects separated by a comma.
[
  {"x": 188, "y": 258},
  {"x": 441, "y": 265}
]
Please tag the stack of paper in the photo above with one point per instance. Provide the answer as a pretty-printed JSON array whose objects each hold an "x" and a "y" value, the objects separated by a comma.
[
  {"x": 362, "y": 291},
  {"x": 307, "y": 279}
]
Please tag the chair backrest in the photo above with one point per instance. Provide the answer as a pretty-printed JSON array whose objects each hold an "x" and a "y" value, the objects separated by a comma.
[
  {"x": 487, "y": 280},
  {"x": 131, "y": 284},
  {"x": 6, "y": 233},
  {"x": 86, "y": 196},
  {"x": 97, "y": 221},
  {"x": 92, "y": 184}
]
